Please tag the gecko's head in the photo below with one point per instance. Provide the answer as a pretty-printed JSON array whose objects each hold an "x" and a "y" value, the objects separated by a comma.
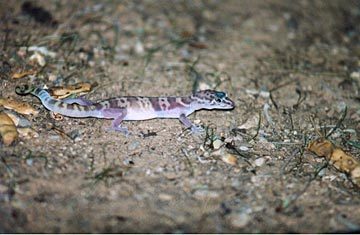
[
  {"x": 24, "y": 89},
  {"x": 210, "y": 99}
]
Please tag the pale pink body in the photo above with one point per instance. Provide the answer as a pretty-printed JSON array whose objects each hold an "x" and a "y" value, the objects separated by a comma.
[{"x": 132, "y": 108}]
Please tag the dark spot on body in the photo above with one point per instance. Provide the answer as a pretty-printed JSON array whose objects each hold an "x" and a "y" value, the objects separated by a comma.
[
  {"x": 98, "y": 106},
  {"x": 70, "y": 106},
  {"x": 173, "y": 103},
  {"x": 155, "y": 103},
  {"x": 52, "y": 102},
  {"x": 113, "y": 103},
  {"x": 60, "y": 104},
  {"x": 171, "y": 99},
  {"x": 186, "y": 100}
]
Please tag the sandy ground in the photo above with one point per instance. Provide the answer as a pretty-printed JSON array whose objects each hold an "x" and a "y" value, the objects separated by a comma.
[{"x": 290, "y": 66}]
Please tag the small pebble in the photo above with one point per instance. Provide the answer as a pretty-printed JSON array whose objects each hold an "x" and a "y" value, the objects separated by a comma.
[
  {"x": 259, "y": 162},
  {"x": 54, "y": 137},
  {"x": 75, "y": 135},
  {"x": 217, "y": 144},
  {"x": 91, "y": 63},
  {"x": 229, "y": 159},
  {"x": 22, "y": 52},
  {"x": 133, "y": 145},
  {"x": 258, "y": 180},
  {"x": 38, "y": 58},
  {"x": 330, "y": 177},
  {"x": 185, "y": 54},
  {"x": 170, "y": 175},
  {"x": 4, "y": 193},
  {"x": 250, "y": 123},
  {"x": 264, "y": 94},
  {"x": 43, "y": 51},
  {"x": 322, "y": 172},
  {"x": 139, "y": 48},
  {"x": 235, "y": 183},
  {"x": 244, "y": 148},
  {"x": 239, "y": 220},
  {"x": 203, "y": 194},
  {"x": 159, "y": 169},
  {"x": 204, "y": 86},
  {"x": 29, "y": 161},
  {"x": 27, "y": 133},
  {"x": 3, "y": 188},
  {"x": 355, "y": 75},
  {"x": 52, "y": 77},
  {"x": 165, "y": 197},
  {"x": 197, "y": 121}
]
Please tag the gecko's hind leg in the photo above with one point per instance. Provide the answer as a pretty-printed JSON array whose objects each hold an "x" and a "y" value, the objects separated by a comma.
[
  {"x": 79, "y": 100},
  {"x": 118, "y": 115}
]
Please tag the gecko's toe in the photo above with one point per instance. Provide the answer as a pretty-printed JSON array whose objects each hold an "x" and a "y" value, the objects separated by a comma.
[
  {"x": 123, "y": 130},
  {"x": 196, "y": 130}
]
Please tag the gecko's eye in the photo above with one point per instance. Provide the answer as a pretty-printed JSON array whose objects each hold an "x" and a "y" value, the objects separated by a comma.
[{"x": 220, "y": 94}]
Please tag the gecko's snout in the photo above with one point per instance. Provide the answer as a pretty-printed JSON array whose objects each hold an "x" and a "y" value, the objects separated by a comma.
[
  {"x": 227, "y": 103},
  {"x": 230, "y": 103}
]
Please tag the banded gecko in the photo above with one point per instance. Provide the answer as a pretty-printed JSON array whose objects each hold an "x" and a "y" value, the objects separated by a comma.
[{"x": 134, "y": 107}]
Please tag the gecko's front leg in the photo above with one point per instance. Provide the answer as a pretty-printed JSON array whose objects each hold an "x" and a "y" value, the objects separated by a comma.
[
  {"x": 118, "y": 115},
  {"x": 188, "y": 124}
]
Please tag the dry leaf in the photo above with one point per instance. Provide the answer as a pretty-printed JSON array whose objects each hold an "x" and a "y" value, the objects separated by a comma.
[
  {"x": 17, "y": 119},
  {"x": 7, "y": 129},
  {"x": 63, "y": 92},
  {"x": 20, "y": 107},
  {"x": 198, "y": 45},
  {"x": 355, "y": 175},
  {"x": 342, "y": 161},
  {"x": 321, "y": 147},
  {"x": 23, "y": 74}
]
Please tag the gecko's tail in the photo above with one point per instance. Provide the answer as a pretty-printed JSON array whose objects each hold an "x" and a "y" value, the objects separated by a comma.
[
  {"x": 24, "y": 89},
  {"x": 42, "y": 94},
  {"x": 73, "y": 109}
]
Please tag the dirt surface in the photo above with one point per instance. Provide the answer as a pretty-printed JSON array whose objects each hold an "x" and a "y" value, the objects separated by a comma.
[{"x": 292, "y": 68}]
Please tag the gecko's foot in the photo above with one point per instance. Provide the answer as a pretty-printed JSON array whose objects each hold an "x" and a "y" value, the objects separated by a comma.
[
  {"x": 196, "y": 130},
  {"x": 123, "y": 130}
]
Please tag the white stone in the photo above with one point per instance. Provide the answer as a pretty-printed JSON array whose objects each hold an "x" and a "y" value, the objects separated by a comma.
[
  {"x": 239, "y": 220},
  {"x": 259, "y": 162},
  {"x": 244, "y": 148},
  {"x": 217, "y": 144}
]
